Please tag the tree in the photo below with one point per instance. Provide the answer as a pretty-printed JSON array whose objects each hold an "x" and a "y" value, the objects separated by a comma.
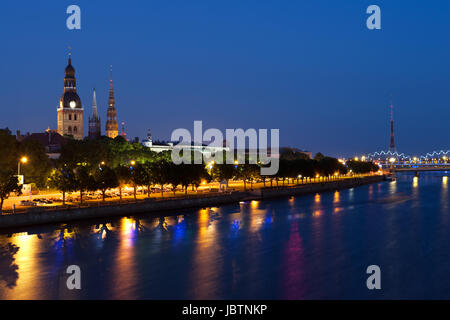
[
  {"x": 38, "y": 167},
  {"x": 139, "y": 176},
  {"x": 292, "y": 154},
  {"x": 362, "y": 166},
  {"x": 84, "y": 181},
  {"x": 63, "y": 179},
  {"x": 8, "y": 183},
  {"x": 160, "y": 173},
  {"x": 87, "y": 153},
  {"x": 224, "y": 172},
  {"x": 123, "y": 175},
  {"x": 8, "y": 150},
  {"x": 8, "y": 162},
  {"x": 174, "y": 174},
  {"x": 105, "y": 178},
  {"x": 149, "y": 176},
  {"x": 247, "y": 172},
  {"x": 319, "y": 156}
]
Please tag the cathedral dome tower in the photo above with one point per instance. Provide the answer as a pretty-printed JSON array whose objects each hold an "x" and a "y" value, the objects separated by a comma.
[{"x": 70, "y": 109}]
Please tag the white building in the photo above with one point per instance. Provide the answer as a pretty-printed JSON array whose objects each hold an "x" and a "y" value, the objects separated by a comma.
[{"x": 169, "y": 146}]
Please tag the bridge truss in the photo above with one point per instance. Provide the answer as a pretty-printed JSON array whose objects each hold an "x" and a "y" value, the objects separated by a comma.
[{"x": 436, "y": 158}]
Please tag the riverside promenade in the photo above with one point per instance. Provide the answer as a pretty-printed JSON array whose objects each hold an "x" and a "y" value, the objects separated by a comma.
[{"x": 39, "y": 216}]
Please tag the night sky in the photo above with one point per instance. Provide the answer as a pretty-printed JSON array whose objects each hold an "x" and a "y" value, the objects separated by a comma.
[{"x": 310, "y": 68}]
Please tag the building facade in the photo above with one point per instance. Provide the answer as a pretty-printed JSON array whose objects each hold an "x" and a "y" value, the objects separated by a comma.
[
  {"x": 112, "y": 128},
  {"x": 94, "y": 121},
  {"x": 70, "y": 110}
]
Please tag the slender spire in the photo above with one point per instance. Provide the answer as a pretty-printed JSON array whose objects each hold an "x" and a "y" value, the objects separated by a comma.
[
  {"x": 70, "y": 55},
  {"x": 94, "y": 120},
  {"x": 94, "y": 106},
  {"x": 392, "y": 144},
  {"x": 123, "y": 133},
  {"x": 111, "y": 80},
  {"x": 111, "y": 100},
  {"x": 112, "y": 128}
]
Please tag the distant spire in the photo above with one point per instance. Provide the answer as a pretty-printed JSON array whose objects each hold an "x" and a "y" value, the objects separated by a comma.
[
  {"x": 94, "y": 106},
  {"x": 110, "y": 79},
  {"x": 94, "y": 120},
  {"x": 70, "y": 55},
  {"x": 112, "y": 128},
  {"x": 111, "y": 100},
  {"x": 392, "y": 143},
  {"x": 149, "y": 135},
  {"x": 123, "y": 134}
]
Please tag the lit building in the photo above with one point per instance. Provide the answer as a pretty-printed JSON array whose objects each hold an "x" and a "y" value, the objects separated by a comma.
[
  {"x": 94, "y": 121},
  {"x": 70, "y": 110},
  {"x": 169, "y": 146},
  {"x": 112, "y": 128}
]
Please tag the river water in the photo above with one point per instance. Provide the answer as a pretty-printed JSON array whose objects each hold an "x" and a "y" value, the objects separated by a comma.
[{"x": 310, "y": 247}]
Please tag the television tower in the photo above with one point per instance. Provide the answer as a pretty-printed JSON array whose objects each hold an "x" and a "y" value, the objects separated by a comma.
[{"x": 392, "y": 147}]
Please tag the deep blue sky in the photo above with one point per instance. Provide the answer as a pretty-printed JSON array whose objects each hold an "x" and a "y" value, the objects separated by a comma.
[{"x": 310, "y": 68}]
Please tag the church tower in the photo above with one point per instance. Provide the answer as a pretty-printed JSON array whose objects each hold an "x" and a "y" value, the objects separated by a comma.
[
  {"x": 94, "y": 121},
  {"x": 112, "y": 128},
  {"x": 70, "y": 110}
]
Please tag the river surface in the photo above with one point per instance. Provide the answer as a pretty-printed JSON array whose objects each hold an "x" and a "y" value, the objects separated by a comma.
[{"x": 310, "y": 247}]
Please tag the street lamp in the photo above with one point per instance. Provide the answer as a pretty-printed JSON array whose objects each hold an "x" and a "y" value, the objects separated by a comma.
[
  {"x": 132, "y": 162},
  {"x": 22, "y": 160},
  {"x": 392, "y": 161}
]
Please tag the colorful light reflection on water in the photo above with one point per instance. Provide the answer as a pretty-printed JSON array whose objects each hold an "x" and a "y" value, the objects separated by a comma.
[{"x": 315, "y": 246}]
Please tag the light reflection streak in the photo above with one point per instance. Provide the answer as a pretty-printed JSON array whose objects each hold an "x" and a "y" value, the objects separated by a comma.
[
  {"x": 27, "y": 286},
  {"x": 205, "y": 271},
  {"x": 125, "y": 273},
  {"x": 336, "y": 197},
  {"x": 317, "y": 198},
  {"x": 294, "y": 266}
]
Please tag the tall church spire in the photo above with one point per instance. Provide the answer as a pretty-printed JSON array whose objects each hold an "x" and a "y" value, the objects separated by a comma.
[
  {"x": 111, "y": 100},
  {"x": 94, "y": 106},
  {"x": 392, "y": 142},
  {"x": 94, "y": 120},
  {"x": 112, "y": 128}
]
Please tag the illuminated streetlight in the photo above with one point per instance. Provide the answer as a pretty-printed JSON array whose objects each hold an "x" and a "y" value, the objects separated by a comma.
[
  {"x": 23, "y": 160},
  {"x": 132, "y": 162}
]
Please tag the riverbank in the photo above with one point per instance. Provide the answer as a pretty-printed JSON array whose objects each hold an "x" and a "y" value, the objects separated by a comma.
[{"x": 150, "y": 206}]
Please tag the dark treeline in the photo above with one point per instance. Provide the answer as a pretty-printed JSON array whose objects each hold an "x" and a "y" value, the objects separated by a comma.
[{"x": 100, "y": 165}]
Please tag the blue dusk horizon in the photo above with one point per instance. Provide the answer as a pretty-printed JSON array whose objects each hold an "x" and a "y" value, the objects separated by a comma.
[{"x": 311, "y": 69}]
